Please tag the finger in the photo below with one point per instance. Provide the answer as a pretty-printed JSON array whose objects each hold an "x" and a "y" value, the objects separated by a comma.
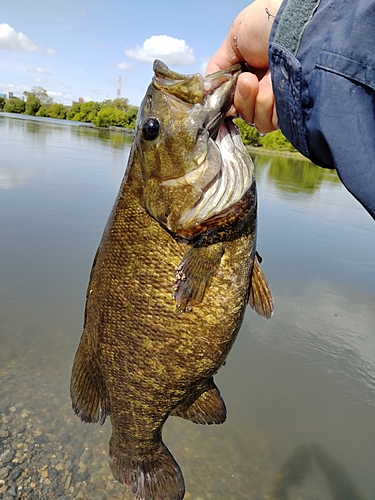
[
  {"x": 245, "y": 96},
  {"x": 222, "y": 59},
  {"x": 264, "y": 106},
  {"x": 275, "y": 120}
]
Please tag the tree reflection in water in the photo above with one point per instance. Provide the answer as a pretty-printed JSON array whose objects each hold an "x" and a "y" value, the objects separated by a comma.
[{"x": 297, "y": 176}]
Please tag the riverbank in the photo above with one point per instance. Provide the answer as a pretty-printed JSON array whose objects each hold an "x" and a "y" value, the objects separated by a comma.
[
  {"x": 130, "y": 133},
  {"x": 296, "y": 155}
]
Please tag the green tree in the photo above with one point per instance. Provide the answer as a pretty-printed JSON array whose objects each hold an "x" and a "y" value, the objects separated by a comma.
[
  {"x": 2, "y": 103},
  {"x": 58, "y": 110},
  {"x": 43, "y": 111},
  {"x": 120, "y": 103},
  {"x": 106, "y": 117},
  {"x": 74, "y": 110},
  {"x": 14, "y": 105},
  {"x": 131, "y": 117},
  {"x": 276, "y": 140},
  {"x": 41, "y": 94},
  {"x": 110, "y": 116},
  {"x": 87, "y": 112},
  {"x": 32, "y": 104},
  {"x": 249, "y": 135}
]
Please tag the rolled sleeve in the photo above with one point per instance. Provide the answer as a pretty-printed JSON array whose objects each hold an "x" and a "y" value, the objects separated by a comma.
[
  {"x": 323, "y": 79},
  {"x": 287, "y": 79}
]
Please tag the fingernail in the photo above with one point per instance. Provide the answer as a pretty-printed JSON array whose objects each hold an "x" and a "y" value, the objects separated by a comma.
[{"x": 243, "y": 88}]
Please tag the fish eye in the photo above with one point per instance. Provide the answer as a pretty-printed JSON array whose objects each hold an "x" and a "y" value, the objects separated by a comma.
[{"x": 150, "y": 129}]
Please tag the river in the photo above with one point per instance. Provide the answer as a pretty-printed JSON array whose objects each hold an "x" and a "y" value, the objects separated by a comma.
[{"x": 299, "y": 389}]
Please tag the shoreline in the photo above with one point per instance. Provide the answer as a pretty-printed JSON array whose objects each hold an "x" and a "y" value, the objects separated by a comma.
[
  {"x": 130, "y": 132},
  {"x": 277, "y": 152}
]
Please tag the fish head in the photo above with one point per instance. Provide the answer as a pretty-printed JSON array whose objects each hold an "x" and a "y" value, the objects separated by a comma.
[{"x": 193, "y": 163}]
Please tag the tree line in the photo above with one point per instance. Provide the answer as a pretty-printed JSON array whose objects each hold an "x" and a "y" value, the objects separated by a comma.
[
  {"x": 119, "y": 113},
  {"x": 116, "y": 113},
  {"x": 272, "y": 141}
]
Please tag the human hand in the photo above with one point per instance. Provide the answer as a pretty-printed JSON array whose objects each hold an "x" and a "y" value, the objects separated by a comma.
[{"x": 247, "y": 41}]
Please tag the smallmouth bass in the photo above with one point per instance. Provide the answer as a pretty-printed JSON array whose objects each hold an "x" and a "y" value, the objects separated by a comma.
[{"x": 172, "y": 276}]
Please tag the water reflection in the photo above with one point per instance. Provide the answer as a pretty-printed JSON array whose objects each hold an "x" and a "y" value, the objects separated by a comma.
[
  {"x": 116, "y": 140},
  {"x": 296, "y": 176},
  {"x": 306, "y": 376}
]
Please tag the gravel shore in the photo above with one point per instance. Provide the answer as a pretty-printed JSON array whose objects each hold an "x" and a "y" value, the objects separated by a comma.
[{"x": 47, "y": 453}]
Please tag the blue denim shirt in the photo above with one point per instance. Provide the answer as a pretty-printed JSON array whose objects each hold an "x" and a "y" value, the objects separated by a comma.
[{"x": 322, "y": 60}]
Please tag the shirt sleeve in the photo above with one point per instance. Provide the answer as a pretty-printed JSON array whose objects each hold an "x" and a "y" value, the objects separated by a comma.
[{"x": 323, "y": 74}]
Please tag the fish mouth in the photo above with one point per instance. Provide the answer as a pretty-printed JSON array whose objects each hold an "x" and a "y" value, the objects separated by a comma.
[
  {"x": 221, "y": 169},
  {"x": 228, "y": 185}
]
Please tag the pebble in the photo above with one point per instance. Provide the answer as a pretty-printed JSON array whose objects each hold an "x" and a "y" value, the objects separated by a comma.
[
  {"x": 15, "y": 474},
  {"x": 6, "y": 456},
  {"x": 46, "y": 453},
  {"x": 4, "y": 472},
  {"x": 12, "y": 491}
]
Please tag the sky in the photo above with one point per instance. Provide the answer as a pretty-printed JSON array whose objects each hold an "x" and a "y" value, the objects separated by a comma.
[{"x": 81, "y": 48}]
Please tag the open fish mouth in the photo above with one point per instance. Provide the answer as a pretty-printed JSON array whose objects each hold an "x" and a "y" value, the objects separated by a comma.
[{"x": 223, "y": 188}]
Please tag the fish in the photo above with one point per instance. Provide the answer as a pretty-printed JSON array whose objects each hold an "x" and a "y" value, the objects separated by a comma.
[{"x": 171, "y": 279}]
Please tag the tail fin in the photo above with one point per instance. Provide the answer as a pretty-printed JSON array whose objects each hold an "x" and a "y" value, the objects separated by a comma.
[{"x": 151, "y": 477}]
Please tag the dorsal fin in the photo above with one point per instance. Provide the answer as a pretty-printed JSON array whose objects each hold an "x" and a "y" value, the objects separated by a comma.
[{"x": 260, "y": 298}]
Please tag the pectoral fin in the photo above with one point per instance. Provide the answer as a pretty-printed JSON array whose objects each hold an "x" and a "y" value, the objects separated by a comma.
[
  {"x": 208, "y": 408},
  {"x": 194, "y": 274},
  {"x": 260, "y": 298}
]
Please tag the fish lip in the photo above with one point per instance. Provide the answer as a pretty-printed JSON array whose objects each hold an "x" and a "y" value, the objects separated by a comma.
[{"x": 214, "y": 92}]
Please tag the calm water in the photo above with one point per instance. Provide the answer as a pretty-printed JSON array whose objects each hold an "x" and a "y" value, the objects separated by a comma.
[{"x": 300, "y": 389}]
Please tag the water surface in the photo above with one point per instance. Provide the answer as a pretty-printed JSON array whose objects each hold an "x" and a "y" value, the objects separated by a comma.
[{"x": 300, "y": 388}]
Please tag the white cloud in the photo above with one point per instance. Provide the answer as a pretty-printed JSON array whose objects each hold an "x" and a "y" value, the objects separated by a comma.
[
  {"x": 40, "y": 80},
  {"x": 11, "y": 40},
  {"x": 51, "y": 52},
  {"x": 170, "y": 50},
  {"x": 62, "y": 97},
  {"x": 39, "y": 70},
  {"x": 52, "y": 93},
  {"x": 16, "y": 89},
  {"x": 124, "y": 66},
  {"x": 202, "y": 69}
]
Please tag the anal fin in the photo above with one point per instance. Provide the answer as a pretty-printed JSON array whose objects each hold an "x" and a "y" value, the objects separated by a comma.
[
  {"x": 86, "y": 390},
  {"x": 260, "y": 298},
  {"x": 209, "y": 408}
]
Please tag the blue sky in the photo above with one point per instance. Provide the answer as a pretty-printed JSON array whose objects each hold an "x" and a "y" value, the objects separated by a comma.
[{"x": 79, "y": 48}]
